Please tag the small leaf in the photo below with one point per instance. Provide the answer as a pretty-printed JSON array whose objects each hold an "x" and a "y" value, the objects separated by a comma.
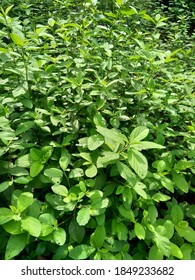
[
  {"x": 97, "y": 238},
  {"x": 107, "y": 158},
  {"x": 176, "y": 252},
  {"x": 18, "y": 38},
  {"x": 139, "y": 231},
  {"x": 139, "y": 189},
  {"x": 60, "y": 189},
  {"x": 35, "y": 168},
  {"x": 36, "y": 154},
  {"x": 81, "y": 252},
  {"x": 180, "y": 181},
  {"x": 138, "y": 162},
  {"x": 126, "y": 172},
  {"x": 23, "y": 127},
  {"x": 138, "y": 134},
  {"x": 155, "y": 253},
  {"x": 94, "y": 141},
  {"x": 64, "y": 162},
  {"x": 31, "y": 225},
  {"x": 163, "y": 244},
  {"x": 5, "y": 185},
  {"x": 53, "y": 173},
  {"x": 128, "y": 214},
  {"x": 76, "y": 173},
  {"x": 91, "y": 171},
  {"x": 145, "y": 145},
  {"x": 6, "y": 215},
  {"x": 112, "y": 134},
  {"x": 76, "y": 231},
  {"x": 185, "y": 231},
  {"x": 24, "y": 200},
  {"x": 177, "y": 214},
  {"x": 160, "y": 197},
  {"x": 83, "y": 216},
  {"x": 15, "y": 244},
  {"x": 59, "y": 236}
]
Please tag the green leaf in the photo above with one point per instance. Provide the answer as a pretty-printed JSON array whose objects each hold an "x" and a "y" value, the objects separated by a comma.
[
  {"x": 163, "y": 244},
  {"x": 53, "y": 172},
  {"x": 36, "y": 154},
  {"x": 126, "y": 173},
  {"x": 180, "y": 181},
  {"x": 13, "y": 227},
  {"x": 59, "y": 236},
  {"x": 119, "y": 2},
  {"x": 107, "y": 158},
  {"x": 76, "y": 231},
  {"x": 35, "y": 168},
  {"x": 122, "y": 231},
  {"x": 186, "y": 250},
  {"x": 23, "y": 161},
  {"x": 139, "y": 231},
  {"x": 155, "y": 253},
  {"x": 112, "y": 134},
  {"x": 5, "y": 185},
  {"x": 31, "y": 225},
  {"x": 15, "y": 244},
  {"x": 160, "y": 197},
  {"x": 176, "y": 252},
  {"x": 138, "y": 134},
  {"x": 76, "y": 173},
  {"x": 91, "y": 171},
  {"x": 64, "y": 160},
  {"x": 138, "y": 162},
  {"x": 128, "y": 214},
  {"x": 139, "y": 189},
  {"x": 81, "y": 252},
  {"x": 24, "y": 200},
  {"x": 18, "y": 39},
  {"x": 6, "y": 215},
  {"x": 60, "y": 189},
  {"x": 97, "y": 238},
  {"x": 185, "y": 231},
  {"x": 94, "y": 141},
  {"x": 83, "y": 216},
  {"x": 167, "y": 183},
  {"x": 145, "y": 145},
  {"x": 23, "y": 127},
  {"x": 46, "y": 153},
  {"x": 176, "y": 214}
]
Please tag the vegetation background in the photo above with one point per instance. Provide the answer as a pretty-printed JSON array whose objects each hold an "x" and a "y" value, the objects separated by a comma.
[{"x": 97, "y": 130}]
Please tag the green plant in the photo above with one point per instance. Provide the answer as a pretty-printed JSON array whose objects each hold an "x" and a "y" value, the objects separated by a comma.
[{"x": 97, "y": 133}]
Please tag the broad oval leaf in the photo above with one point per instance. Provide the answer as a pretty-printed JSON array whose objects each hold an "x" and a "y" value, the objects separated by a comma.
[
  {"x": 53, "y": 173},
  {"x": 94, "y": 141},
  {"x": 24, "y": 200},
  {"x": 180, "y": 181},
  {"x": 81, "y": 252},
  {"x": 6, "y": 215},
  {"x": 138, "y": 162},
  {"x": 176, "y": 214},
  {"x": 91, "y": 171},
  {"x": 139, "y": 231},
  {"x": 15, "y": 245},
  {"x": 97, "y": 238},
  {"x": 138, "y": 134},
  {"x": 31, "y": 225},
  {"x": 83, "y": 216},
  {"x": 59, "y": 236},
  {"x": 60, "y": 189},
  {"x": 35, "y": 168}
]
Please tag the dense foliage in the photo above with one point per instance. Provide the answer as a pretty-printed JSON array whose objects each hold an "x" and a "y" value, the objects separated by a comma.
[{"x": 97, "y": 130}]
